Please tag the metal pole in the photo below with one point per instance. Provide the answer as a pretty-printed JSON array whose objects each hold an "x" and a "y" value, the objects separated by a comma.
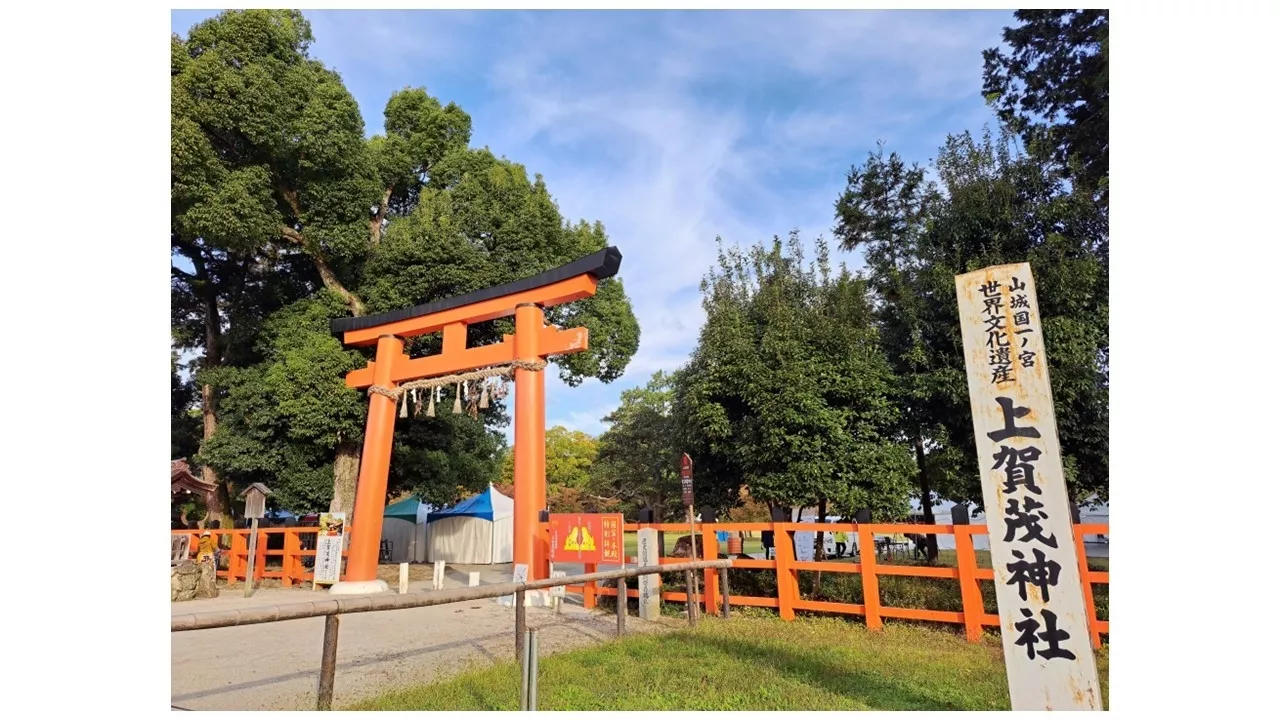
[
  {"x": 520, "y": 624},
  {"x": 328, "y": 663},
  {"x": 525, "y": 666},
  {"x": 533, "y": 669},
  {"x": 253, "y": 553},
  {"x": 724, "y": 593},
  {"x": 689, "y": 603},
  {"x": 622, "y": 606}
]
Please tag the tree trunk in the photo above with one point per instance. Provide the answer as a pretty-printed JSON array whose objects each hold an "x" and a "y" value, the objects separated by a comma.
[
  {"x": 926, "y": 502},
  {"x": 346, "y": 470},
  {"x": 219, "y": 502}
]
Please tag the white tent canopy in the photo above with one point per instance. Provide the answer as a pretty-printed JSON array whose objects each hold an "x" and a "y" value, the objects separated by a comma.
[
  {"x": 404, "y": 524},
  {"x": 476, "y": 531}
]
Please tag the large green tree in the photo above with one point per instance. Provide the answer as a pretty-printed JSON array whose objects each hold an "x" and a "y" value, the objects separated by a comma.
[
  {"x": 1051, "y": 85},
  {"x": 990, "y": 206},
  {"x": 570, "y": 455},
  {"x": 273, "y": 172},
  {"x": 638, "y": 462},
  {"x": 787, "y": 391}
]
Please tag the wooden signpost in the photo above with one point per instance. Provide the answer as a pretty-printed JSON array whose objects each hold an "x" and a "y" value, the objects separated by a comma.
[
  {"x": 1043, "y": 621},
  {"x": 686, "y": 491},
  {"x": 255, "y": 507}
]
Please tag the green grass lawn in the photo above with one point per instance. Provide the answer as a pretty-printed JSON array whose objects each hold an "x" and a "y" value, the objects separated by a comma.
[
  {"x": 751, "y": 662},
  {"x": 749, "y": 546}
]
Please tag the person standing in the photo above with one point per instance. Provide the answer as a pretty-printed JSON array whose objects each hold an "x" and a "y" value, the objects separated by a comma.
[
  {"x": 766, "y": 540},
  {"x": 842, "y": 542}
]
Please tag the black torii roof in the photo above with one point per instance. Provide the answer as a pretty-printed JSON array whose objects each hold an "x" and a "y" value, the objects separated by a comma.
[{"x": 600, "y": 265}]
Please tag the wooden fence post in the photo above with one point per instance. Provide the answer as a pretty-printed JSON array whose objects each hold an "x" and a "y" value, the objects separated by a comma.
[
  {"x": 588, "y": 589},
  {"x": 1095, "y": 637},
  {"x": 785, "y": 551},
  {"x": 239, "y": 557},
  {"x": 870, "y": 583},
  {"x": 970, "y": 592},
  {"x": 710, "y": 579},
  {"x": 328, "y": 663},
  {"x": 260, "y": 557},
  {"x": 292, "y": 548}
]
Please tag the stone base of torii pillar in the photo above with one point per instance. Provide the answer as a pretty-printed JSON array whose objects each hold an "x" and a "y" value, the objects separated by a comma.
[{"x": 363, "y": 587}]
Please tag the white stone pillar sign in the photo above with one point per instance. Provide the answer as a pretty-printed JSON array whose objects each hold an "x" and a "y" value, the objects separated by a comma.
[
  {"x": 650, "y": 586},
  {"x": 1043, "y": 624}
]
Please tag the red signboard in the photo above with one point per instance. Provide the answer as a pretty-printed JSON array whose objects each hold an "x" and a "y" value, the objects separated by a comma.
[
  {"x": 586, "y": 538},
  {"x": 686, "y": 479}
]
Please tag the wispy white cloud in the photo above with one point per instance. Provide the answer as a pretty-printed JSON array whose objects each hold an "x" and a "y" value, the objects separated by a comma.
[{"x": 673, "y": 128}]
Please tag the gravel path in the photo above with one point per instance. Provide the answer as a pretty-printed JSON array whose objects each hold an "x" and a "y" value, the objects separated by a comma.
[{"x": 275, "y": 666}]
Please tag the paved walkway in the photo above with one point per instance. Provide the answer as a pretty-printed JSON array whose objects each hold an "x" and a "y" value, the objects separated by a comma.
[{"x": 275, "y": 666}]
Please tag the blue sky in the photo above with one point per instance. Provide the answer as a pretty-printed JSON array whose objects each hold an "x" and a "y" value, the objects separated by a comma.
[{"x": 674, "y": 127}]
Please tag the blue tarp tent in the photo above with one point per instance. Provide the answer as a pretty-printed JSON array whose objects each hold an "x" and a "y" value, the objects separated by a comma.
[{"x": 476, "y": 531}]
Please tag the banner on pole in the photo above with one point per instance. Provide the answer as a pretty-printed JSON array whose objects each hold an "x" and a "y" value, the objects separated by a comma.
[{"x": 1043, "y": 620}]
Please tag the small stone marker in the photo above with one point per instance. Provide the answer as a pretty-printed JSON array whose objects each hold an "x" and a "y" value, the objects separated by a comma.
[
  {"x": 437, "y": 576},
  {"x": 473, "y": 579},
  {"x": 650, "y": 585},
  {"x": 404, "y": 578}
]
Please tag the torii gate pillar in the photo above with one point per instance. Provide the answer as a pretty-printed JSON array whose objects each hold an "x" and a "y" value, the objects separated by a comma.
[{"x": 533, "y": 340}]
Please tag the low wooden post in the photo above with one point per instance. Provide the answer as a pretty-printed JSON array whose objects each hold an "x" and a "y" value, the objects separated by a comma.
[
  {"x": 328, "y": 663},
  {"x": 622, "y": 606},
  {"x": 520, "y": 625},
  {"x": 870, "y": 583},
  {"x": 724, "y": 593},
  {"x": 970, "y": 592}
]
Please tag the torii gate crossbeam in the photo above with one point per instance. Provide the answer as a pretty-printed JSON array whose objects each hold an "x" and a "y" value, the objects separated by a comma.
[{"x": 532, "y": 342}]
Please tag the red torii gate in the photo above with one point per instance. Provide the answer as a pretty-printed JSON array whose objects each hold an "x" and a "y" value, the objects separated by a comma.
[{"x": 392, "y": 367}]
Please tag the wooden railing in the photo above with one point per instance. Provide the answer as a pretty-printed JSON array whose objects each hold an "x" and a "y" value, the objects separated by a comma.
[
  {"x": 788, "y": 600},
  {"x": 298, "y": 543},
  {"x": 330, "y": 609}
]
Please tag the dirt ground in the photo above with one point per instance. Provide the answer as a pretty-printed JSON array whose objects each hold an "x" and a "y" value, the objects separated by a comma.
[{"x": 275, "y": 666}]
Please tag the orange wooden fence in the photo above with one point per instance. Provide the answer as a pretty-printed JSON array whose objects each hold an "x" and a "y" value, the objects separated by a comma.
[
  {"x": 299, "y": 543},
  {"x": 291, "y": 570},
  {"x": 974, "y": 616}
]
